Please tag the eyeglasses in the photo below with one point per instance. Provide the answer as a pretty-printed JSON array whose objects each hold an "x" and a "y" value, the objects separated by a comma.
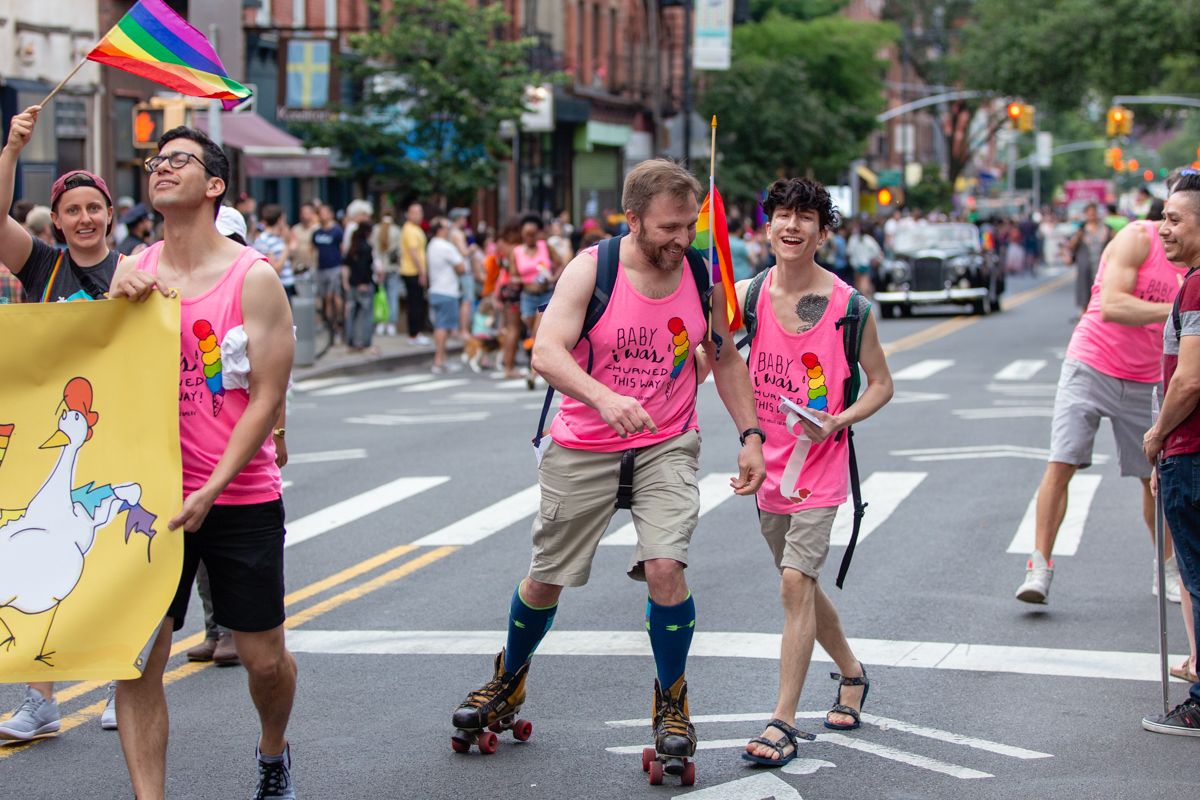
[{"x": 178, "y": 160}]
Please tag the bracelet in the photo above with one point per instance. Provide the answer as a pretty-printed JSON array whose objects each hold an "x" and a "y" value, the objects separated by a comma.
[
  {"x": 751, "y": 432},
  {"x": 279, "y": 432}
]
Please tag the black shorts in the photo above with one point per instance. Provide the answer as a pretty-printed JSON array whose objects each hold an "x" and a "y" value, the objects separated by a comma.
[{"x": 242, "y": 548}]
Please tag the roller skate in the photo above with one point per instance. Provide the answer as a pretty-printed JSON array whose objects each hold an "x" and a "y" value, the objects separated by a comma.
[
  {"x": 491, "y": 710},
  {"x": 674, "y": 737}
]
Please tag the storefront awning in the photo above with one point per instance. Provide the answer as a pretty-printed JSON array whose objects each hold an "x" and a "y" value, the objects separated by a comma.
[{"x": 267, "y": 151}]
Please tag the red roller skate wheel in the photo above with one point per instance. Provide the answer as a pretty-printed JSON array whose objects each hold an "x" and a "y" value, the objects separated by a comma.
[
  {"x": 648, "y": 757},
  {"x": 488, "y": 742},
  {"x": 656, "y": 773},
  {"x": 522, "y": 730},
  {"x": 688, "y": 778},
  {"x": 459, "y": 746}
]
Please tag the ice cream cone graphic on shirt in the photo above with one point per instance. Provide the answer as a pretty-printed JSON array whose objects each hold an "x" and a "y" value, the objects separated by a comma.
[
  {"x": 210, "y": 358},
  {"x": 791, "y": 484},
  {"x": 5, "y": 432}
]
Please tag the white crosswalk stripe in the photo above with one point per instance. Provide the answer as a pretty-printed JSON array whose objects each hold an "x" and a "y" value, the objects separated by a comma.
[
  {"x": 327, "y": 456},
  {"x": 418, "y": 418},
  {"x": 355, "y": 508},
  {"x": 435, "y": 386},
  {"x": 484, "y": 523},
  {"x": 1070, "y": 533},
  {"x": 1020, "y": 370},
  {"x": 366, "y": 386},
  {"x": 923, "y": 369},
  {"x": 883, "y": 492},
  {"x": 714, "y": 490}
]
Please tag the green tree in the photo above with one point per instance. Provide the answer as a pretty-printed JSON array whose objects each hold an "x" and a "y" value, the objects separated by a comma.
[
  {"x": 436, "y": 84},
  {"x": 800, "y": 98}
]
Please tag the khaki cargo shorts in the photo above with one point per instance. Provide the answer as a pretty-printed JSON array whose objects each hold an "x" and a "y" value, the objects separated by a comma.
[
  {"x": 579, "y": 494},
  {"x": 799, "y": 540}
]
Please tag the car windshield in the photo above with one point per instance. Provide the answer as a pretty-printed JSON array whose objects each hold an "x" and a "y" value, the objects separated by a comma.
[{"x": 927, "y": 237}]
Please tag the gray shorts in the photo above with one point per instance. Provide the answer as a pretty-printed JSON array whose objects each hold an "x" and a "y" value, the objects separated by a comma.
[
  {"x": 329, "y": 282},
  {"x": 799, "y": 540},
  {"x": 1084, "y": 396}
]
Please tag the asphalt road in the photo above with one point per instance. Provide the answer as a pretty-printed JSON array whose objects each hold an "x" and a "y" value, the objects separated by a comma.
[{"x": 409, "y": 503}]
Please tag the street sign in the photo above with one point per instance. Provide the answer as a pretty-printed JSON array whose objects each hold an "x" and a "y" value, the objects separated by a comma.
[
  {"x": 714, "y": 35},
  {"x": 1045, "y": 149},
  {"x": 890, "y": 177}
]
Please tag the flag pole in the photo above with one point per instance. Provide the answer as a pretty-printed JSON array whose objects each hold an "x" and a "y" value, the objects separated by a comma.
[
  {"x": 712, "y": 231},
  {"x": 63, "y": 82}
]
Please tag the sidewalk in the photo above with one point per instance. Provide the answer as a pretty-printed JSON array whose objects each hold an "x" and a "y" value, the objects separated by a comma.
[{"x": 394, "y": 352}]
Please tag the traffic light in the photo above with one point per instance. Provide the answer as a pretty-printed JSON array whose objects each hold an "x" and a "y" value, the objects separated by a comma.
[
  {"x": 1132, "y": 165},
  {"x": 1112, "y": 156},
  {"x": 884, "y": 197},
  {"x": 1014, "y": 113},
  {"x": 1148, "y": 175},
  {"x": 1120, "y": 121},
  {"x": 147, "y": 125},
  {"x": 1025, "y": 122}
]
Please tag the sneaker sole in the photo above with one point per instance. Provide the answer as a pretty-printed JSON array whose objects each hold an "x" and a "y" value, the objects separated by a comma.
[
  {"x": 1031, "y": 596},
  {"x": 108, "y": 726},
  {"x": 1171, "y": 730},
  {"x": 44, "y": 732}
]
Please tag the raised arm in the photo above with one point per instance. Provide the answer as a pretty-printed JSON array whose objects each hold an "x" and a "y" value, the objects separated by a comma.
[{"x": 15, "y": 242}]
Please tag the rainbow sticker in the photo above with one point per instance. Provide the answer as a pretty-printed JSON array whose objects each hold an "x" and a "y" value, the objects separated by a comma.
[
  {"x": 680, "y": 345},
  {"x": 210, "y": 356},
  {"x": 5, "y": 433},
  {"x": 817, "y": 391}
]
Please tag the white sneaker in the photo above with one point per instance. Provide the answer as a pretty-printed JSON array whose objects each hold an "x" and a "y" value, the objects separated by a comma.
[
  {"x": 421, "y": 339},
  {"x": 35, "y": 718},
  {"x": 391, "y": 330},
  {"x": 1171, "y": 571},
  {"x": 1038, "y": 575},
  {"x": 108, "y": 719}
]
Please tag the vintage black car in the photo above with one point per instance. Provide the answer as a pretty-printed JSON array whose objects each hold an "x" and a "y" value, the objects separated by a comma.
[{"x": 939, "y": 263}]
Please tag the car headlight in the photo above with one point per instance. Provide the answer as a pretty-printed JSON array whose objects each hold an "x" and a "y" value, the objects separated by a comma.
[
  {"x": 960, "y": 264},
  {"x": 898, "y": 270}
]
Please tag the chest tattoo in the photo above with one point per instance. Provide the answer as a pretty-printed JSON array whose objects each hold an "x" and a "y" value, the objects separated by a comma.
[{"x": 809, "y": 310}]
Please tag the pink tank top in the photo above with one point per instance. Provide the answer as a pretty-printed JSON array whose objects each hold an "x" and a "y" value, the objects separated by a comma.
[
  {"x": 208, "y": 410},
  {"x": 1131, "y": 353},
  {"x": 536, "y": 267},
  {"x": 810, "y": 369},
  {"x": 644, "y": 349}
]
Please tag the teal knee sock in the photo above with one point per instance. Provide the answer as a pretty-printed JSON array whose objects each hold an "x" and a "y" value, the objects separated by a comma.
[
  {"x": 670, "y": 629},
  {"x": 526, "y": 628}
]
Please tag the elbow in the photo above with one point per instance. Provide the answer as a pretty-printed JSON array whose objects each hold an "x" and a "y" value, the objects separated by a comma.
[
  {"x": 538, "y": 358},
  {"x": 1107, "y": 313},
  {"x": 887, "y": 389}
]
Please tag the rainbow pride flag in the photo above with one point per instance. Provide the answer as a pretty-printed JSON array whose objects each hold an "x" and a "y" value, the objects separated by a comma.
[
  {"x": 722, "y": 264},
  {"x": 154, "y": 42}
]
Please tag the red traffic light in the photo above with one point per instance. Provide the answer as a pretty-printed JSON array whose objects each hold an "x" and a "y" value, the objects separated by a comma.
[
  {"x": 1014, "y": 111},
  {"x": 884, "y": 197}
]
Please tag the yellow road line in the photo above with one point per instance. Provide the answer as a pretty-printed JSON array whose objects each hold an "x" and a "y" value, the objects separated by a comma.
[
  {"x": 944, "y": 329},
  {"x": 94, "y": 710}
]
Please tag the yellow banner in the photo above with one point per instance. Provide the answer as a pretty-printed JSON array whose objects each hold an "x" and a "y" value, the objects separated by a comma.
[{"x": 89, "y": 476}]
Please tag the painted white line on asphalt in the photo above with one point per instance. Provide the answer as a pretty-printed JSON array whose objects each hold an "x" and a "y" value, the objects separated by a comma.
[
  {"x": 983, "y": 451},
  {"x": 763, "y": 786},
  {"x": 483, "y": 397},
  {"x": 1020, "y": 370},
  {"x": 883, "y": 491},
  {"x": 714, "y": 490},
  {"x": 419, "y": 419},
  {"x": 365, "y": 386},
  {"x": 511, "y": 383},
  {"x": 355, "y": 508},
  {"x": 1100, "y": 664},
  {"x": 328, "y": 455},
  {"x": 1024, "y": 389},
  {"x": 286, "y": 484},
  {"x": 319, "y": 383},
  {"x": 484, "y": 523},
  {"x": 883, "y": 723},
  {"x": 902, "y": 397},
  {"x": 923, "y": 369},
  {"x": 433, "y": 386},
  {"x": 1018, "y": 412},
  {"x": 1082, "y": 492},
  {"x": 883, "y": 751}
]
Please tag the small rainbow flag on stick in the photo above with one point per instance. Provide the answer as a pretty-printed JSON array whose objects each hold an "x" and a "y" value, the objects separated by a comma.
[
  {"x": 710, "y": 221},
  {"x": 153, "y": 41}
]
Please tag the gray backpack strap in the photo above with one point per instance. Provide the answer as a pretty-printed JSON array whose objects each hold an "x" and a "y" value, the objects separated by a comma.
[{"x": 750, "y": 308}]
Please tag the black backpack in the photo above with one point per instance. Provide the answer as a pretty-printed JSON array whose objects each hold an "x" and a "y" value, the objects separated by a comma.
[
  {"x": 858, "y": 310},
  {"x": 607, "y": 258}
]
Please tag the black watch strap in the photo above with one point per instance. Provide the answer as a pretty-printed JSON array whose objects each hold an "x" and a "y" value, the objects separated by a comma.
[{"x": 752, "y": 431}]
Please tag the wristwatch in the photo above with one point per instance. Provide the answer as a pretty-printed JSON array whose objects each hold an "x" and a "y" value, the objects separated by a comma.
[
  {"x": 751, "y": 432},
  {"x": 279, "y": 432}
]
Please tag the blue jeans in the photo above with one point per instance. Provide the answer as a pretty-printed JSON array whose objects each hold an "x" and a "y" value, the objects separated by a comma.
[
  {"x": 1179, "y": 487},
  {"x": 360, "y": 315},
  {"x": 391, "y": 286}
]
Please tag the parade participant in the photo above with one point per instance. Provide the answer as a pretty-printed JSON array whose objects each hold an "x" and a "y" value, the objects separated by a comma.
[
  {"x": 232, "y": 515},
  {"x": 797, "y": 354},
  {"x": 1175, "y": 436},
  {"x": 82, "y": 216},
  {"x": 536, "y": 268},
  {"x": 1111, "y": 369},
  {"x": 626, "y": 432}
]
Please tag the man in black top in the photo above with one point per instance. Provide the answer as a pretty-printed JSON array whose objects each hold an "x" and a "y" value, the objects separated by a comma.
[{"x": 81, "y": 209}]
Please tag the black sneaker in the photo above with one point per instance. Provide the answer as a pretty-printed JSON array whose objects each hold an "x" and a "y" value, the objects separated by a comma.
[
  {"x": 1184, "y": 720},
  {"x": 275, "y": 778}
]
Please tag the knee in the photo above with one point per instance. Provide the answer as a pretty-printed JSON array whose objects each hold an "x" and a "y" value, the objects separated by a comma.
[
  {"x": 268, "y": 667},
  {"x": 796, "y": 588},
  {"x": 537, "y": 594},
  {"x": 664, "y": 579}
]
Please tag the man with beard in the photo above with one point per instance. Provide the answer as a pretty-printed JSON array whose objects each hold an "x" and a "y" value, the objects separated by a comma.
[{"x": 626, "y": 431}]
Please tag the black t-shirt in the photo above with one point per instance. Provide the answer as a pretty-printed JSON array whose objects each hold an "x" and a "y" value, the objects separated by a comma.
[
  {"x": 361, "y": 260},
  {"x": 70, "y": 281}
]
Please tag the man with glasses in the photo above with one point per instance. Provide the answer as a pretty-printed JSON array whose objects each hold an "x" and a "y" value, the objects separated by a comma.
[
  {"x": 232, "y": 516},
  {"x": 82, "y": 214}
]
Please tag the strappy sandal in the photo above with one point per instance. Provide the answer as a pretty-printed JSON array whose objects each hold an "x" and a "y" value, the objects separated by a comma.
[
  {"x": 841, "y": 708},
  {"x": 790, "y": 736}
]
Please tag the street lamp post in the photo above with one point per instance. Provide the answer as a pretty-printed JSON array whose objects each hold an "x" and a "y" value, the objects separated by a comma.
[{"x": 687, "y": 82}]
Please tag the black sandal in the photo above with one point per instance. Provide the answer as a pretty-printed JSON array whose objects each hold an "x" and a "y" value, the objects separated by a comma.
[
  {"x": 790, "y": 736},
  {"x": 840, "y": 708}
]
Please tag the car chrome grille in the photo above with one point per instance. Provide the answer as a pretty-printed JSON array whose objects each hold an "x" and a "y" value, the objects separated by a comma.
[{"x": 927, "y": 275}]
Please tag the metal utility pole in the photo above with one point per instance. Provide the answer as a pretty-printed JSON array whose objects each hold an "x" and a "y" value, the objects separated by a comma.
[{"x": 687, "y": 83}]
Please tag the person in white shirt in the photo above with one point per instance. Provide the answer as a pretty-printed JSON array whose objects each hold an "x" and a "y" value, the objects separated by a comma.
[
  {"x": 445, "y": 264},
  {"x": 864, "y": 253}
]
